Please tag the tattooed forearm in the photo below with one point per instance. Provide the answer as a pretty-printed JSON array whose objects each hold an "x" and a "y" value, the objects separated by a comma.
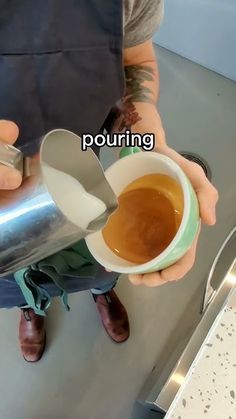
[
  {"x": 136, "y": 91},
  {"x": 136, "y": 76}
]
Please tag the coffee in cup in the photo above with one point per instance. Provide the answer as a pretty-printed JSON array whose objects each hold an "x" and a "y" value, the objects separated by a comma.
[{"x": 147, "y": 219}]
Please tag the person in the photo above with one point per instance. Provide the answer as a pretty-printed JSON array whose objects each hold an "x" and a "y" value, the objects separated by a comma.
[{"x": 66, "y": 64}]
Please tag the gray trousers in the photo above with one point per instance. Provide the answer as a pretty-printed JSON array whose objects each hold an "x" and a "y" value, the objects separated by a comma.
[{"x": 11, "y": 295}]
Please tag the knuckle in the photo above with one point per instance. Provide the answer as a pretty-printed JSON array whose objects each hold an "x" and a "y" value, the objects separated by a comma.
[
  {"x": 197, "y": 169},
  {"x": 151, "y": 280},
  {"x": 191, "y": 256},
  {"x": 9, "y": 179},
  {"x": 135, "y": 279},
  {"x": 181, "y": 273},
  {"x": 188, "y": 264},
  {"x": 183, "y": 270},
  {"x": 166, "y": 276},
  {"x": 152, "y": 283},
  {"x": 215, "y": 194}
]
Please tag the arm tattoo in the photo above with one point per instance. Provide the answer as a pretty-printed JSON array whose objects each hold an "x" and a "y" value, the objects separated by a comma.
[{"x": 135, "y": 76}]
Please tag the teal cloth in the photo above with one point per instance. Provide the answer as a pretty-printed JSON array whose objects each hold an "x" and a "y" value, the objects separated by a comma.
[{"x": 74, "y": 261}]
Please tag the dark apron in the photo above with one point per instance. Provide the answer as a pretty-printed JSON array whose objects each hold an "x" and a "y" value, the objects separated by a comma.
[{"x": 60, "y": 67}]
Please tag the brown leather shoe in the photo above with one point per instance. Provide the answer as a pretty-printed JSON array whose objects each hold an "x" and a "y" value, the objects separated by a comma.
[
  {"x": 32, "y": 335},
  {"x": 113, "y": 315}
]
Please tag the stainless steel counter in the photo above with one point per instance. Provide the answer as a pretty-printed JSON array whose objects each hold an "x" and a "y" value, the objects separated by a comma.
[{"x": 208, "y": 388}]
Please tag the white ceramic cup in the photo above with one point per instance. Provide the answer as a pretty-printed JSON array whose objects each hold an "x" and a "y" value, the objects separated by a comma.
[{"x": 121, "y": 174}]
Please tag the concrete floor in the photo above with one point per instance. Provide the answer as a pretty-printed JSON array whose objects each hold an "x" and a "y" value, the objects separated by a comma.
[{"x": 83, "y": 374}]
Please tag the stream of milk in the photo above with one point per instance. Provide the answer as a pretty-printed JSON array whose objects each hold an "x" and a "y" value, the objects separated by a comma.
[{"x": 77, "y": 205}]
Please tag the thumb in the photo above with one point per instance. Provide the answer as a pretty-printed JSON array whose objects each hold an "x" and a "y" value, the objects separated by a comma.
[
  {"x": 9, "y": 178},
  {"x": 8, "y": 131}
]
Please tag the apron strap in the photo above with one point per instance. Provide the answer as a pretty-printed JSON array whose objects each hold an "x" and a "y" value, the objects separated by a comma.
[
  {"x": 75, "y": 261},
  {"x": 58, "y": 281},
  {"x": 36, "y": 297}
]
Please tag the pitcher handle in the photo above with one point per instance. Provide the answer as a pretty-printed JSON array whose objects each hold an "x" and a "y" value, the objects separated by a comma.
[
  {"x": 127, "y": 151},
  {"x": 12, "y": 157}
]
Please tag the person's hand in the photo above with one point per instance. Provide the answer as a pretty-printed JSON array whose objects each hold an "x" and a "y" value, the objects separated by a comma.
[
  {"x": 9, "y": 178},
  {"x": 207, "y": 198}
]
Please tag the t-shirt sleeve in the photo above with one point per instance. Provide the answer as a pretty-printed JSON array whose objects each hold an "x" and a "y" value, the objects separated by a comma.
[{"x": 141, "y": 19}]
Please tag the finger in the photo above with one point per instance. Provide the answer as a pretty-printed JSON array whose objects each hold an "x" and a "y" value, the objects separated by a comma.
[
  {"x": 207, "y": 198},
  {"x": 135, "y": 279},
  {"x": 9, "y": 178},
  {"x": 206, "y": 192},
  {"x": 153, "y": 280},
  {"x": 9, "y": 131},
  {"x": 183, "y": 266},
  {"x": 150, "y": 280}
]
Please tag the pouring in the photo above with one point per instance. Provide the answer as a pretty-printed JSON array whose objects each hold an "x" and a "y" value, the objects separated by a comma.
[{"x": 64, "y": 196}]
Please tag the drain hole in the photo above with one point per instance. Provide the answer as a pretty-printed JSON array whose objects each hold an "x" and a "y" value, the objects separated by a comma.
[{"x": 199, "y": 160}]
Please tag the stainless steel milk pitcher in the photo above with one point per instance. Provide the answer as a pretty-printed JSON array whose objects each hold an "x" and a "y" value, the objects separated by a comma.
[{"x": 32, "y": 226}]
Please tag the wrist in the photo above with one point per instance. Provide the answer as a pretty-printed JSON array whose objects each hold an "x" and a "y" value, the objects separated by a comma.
[{"x": 150, "y": 122}]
